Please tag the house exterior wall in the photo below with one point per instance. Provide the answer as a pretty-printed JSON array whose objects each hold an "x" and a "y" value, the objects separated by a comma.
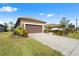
[
  {"x": 24, "y": 22},
  {"x": 18, "y": 24}
]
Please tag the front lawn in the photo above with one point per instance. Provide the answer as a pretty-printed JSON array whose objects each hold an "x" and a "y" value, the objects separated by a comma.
[
  {"x": 74, "y": 35},
  {"x": 19, "y": 46}
]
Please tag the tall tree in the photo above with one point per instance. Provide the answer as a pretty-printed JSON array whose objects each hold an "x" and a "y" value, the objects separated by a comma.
[
  {"x": 71, "y": 26},
  {"x": 6, "y": 26},
  {"x": 64, "y": 23},
  {"x": 12, "y": 26},
  {"x": 76, "y": 24}
]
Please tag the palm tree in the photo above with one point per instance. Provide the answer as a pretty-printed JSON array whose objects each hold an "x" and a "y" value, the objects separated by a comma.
[
  {"x": 71, "y": 27},
  {"x": 76, "y": 24}
]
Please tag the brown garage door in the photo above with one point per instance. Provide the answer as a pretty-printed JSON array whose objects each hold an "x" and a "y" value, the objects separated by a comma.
[{"x": 33, "y": 28}]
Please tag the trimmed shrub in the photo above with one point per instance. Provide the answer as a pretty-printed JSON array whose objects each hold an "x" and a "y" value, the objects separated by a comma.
[
  {"x": 20, "y": 31},
  {"x": 58, "y": 32},
  {"x": 69, "y": 31}
]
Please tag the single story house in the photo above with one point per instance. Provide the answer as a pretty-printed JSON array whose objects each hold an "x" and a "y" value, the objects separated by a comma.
[
  {"x": 2, "y": 28},
  {"x": 53, "y": 29},
  {"x": 30, "y": 24}
]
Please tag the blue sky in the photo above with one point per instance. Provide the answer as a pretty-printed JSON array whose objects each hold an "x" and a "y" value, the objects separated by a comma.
[{"x": 49, "y": 12}]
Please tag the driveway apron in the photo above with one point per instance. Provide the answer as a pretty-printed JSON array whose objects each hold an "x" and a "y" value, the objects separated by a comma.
[{"x": 67, "y": 46}]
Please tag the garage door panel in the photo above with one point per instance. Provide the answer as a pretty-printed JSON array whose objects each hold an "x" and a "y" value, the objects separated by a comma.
[{"x": 33, "y": 28}]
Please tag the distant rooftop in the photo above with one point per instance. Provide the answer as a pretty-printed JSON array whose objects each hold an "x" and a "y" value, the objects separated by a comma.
[{"x": 2, "y": 25}]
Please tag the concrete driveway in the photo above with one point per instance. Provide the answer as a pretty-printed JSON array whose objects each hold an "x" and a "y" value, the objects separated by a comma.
[{"x": 65, "y": 45}]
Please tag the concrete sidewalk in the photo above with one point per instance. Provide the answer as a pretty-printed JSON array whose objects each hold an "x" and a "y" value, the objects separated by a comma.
[{"x": 65, "y": 45}]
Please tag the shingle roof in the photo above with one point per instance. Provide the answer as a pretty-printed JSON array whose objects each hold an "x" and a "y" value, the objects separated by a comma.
[
  {"x": 32, "y": 19},
  {"x": 2, "y": 25}
]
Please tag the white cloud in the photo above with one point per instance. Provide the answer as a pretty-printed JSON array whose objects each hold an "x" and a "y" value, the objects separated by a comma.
[
  {"x": 7, "y": 20},
  {"x": 8, "y": 9},
  {"x": 49, "y": 15},
  {"x": 1, "y": 22},
  {"x": 61, "y": 16},
  {"x": 41, "y": 14}
]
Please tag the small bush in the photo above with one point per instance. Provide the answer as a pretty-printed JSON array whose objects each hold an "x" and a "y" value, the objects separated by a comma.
[
  {"x": 58, "y": 32},
  {"x": 20, "y": 31},
  {"x": 69, "y": 31}
]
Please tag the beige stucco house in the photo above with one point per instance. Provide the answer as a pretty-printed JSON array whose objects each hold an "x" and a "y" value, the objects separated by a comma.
[{"x": 30, "y": 24}]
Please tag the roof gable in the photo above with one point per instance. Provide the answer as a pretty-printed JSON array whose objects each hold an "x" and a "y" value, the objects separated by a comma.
[
  {"x": 31, "y": 19},
  {"x": 2, "y": 25}
]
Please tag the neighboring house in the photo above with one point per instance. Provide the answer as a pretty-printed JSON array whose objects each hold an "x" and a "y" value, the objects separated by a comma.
[
  {"x": 56, "y": 29},
  {"x": 30, "y": 24},
  {"x": 2, "y": 28}
]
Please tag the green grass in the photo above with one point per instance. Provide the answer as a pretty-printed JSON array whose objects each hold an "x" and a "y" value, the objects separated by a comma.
[
  {"x": 19, "y": 46},
  {"x": 74, "y": 35}
]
